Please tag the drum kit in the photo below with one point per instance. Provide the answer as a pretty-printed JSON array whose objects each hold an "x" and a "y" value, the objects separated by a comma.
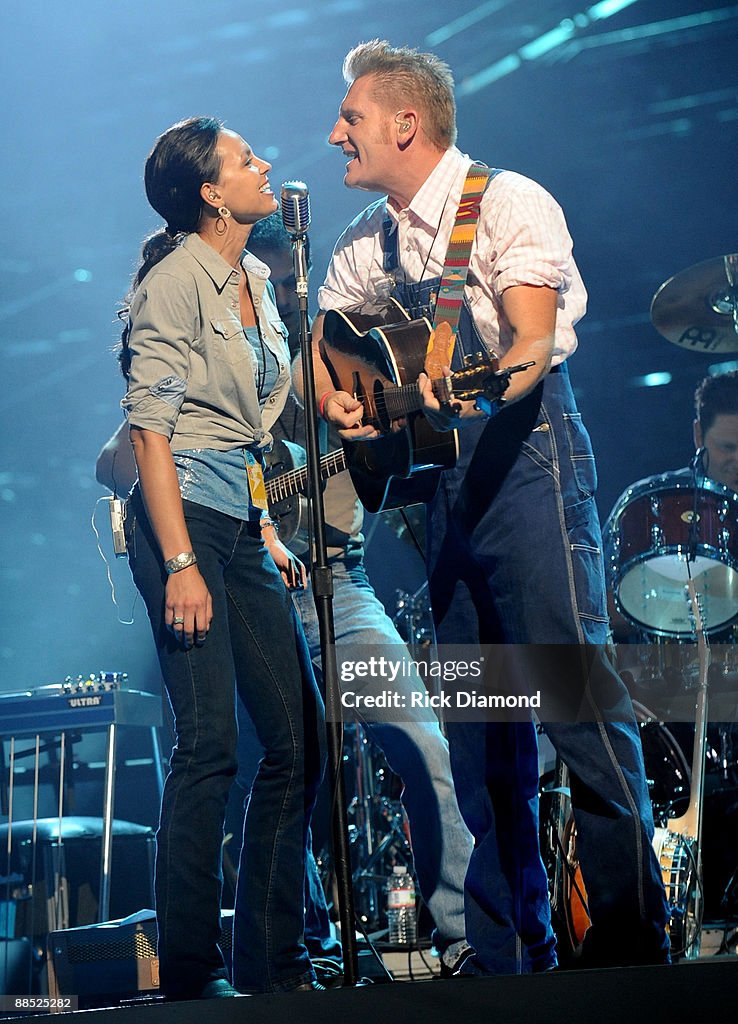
[
  {"x": 673, "y": 572},
  {"x": 674, "y": 528}
]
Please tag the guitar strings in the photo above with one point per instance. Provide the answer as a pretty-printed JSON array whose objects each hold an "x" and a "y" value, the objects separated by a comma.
[{"x": 284, "y": 484}]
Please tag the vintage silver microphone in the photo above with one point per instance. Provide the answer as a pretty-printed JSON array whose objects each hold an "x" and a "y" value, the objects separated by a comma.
[
  {"x": 296, "y": 219},
  {"x": 295, "y": 207}
]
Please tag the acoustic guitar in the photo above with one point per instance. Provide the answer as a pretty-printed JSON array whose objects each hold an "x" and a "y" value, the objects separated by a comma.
[{"x": 376, "y": 356}]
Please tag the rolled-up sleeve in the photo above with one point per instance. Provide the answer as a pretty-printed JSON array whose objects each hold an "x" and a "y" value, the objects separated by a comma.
[
  {"x": 355, "y": 270},
  {"x": 163, "y": 327},
  {"x": 533, "y": 245}
]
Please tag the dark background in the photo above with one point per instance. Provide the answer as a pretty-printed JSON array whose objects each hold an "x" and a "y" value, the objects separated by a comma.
[{"x": 629, "y": 120}]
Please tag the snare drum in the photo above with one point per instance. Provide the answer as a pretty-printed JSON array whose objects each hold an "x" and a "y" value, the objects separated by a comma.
[{"x": 653, "y": 532}]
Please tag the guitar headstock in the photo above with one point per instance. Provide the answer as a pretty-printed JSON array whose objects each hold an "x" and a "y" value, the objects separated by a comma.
[{"x": 480, "y": 378}]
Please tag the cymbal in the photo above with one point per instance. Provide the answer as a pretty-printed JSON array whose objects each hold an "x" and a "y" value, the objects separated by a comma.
[{"x": 697, "y": 309}]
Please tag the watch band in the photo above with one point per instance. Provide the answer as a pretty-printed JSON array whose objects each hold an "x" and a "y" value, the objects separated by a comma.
[{"x": 181, "y": 561}]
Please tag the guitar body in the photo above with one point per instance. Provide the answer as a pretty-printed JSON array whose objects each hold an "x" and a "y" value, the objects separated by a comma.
[
  {"x": 286, "y": 479},
  {"x": 370, "y": 357},
  {"x": 382, "y": 474},
  {"x": 290, "y": 512}
]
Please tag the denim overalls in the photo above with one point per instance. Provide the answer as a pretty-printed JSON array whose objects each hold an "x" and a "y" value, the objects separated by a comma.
[{"x": 514, "y": 556}]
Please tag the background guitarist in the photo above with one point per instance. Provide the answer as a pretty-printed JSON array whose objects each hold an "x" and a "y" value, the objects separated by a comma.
[
  {"x": 514, "y": 550},
  {"x": 415, "y": 748}
]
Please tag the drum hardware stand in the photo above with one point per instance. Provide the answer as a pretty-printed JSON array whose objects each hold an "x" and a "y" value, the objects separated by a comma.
[
  {"x": 726, "y": 753},
  {"x": 420, "y": 636},
  {"x": 371, "y": 849},
  {"x": 725, "y": 902},
  {"x": 410, "y": 609}
]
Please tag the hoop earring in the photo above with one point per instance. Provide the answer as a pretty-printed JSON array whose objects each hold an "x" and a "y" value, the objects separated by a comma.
[{"x": 223, "y": 215}]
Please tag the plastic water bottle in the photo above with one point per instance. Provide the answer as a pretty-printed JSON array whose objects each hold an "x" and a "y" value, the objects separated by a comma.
[{"x": 401, "y": 913}]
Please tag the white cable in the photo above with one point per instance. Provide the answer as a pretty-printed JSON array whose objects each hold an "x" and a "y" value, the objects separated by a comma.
[{"x": 111, "y": 582}]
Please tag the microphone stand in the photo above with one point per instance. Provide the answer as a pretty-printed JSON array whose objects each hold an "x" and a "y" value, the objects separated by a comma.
[{"x": 322, "y": 579}]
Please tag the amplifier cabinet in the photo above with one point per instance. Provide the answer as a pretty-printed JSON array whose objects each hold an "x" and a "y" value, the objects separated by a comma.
[
  {"x": 111, "y": 963},
  {"x": 104, "y": 964}
]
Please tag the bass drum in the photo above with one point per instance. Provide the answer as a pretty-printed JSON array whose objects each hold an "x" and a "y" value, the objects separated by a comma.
[
  {"x": 669, "y": 780},
  {"x": 667, "y": 771}
]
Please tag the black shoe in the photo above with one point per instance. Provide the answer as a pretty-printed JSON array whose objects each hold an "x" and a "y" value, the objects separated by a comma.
[
  {"x": 219, "y": 988},
  {"x": 328, "y": 972},
  {"x": 546, "y": 968},
  {"x": 310, "y": 986},
  {"x": 454, "y": 958}
]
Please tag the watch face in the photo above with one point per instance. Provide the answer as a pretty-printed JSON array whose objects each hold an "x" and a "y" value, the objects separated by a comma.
[{"x": 182, "y": 561}]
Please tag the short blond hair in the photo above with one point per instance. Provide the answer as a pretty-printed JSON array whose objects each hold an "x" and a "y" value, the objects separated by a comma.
[{"x": 405, "y": 76}]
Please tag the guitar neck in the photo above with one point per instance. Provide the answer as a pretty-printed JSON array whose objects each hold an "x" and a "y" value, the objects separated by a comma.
[
  {"x": 294, "y": 480},
  {"x": 406, "y": 398}
]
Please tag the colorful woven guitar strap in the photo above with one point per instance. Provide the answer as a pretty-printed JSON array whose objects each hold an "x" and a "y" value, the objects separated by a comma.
[{"x": 456, "y": 269}]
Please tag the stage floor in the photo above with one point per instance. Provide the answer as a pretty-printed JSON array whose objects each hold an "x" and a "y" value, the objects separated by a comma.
[{"x": 695, "y": 991}]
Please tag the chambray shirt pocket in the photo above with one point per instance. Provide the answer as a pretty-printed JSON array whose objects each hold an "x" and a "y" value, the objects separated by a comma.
[
  {"x": 279, "y": 328},
  {"x": 230, "y": 342}
]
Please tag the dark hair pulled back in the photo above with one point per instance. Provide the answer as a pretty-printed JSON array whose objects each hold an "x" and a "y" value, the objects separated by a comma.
[{"x": 183, "y": 157}]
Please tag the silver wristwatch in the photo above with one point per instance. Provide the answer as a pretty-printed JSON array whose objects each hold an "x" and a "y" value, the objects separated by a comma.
[{"x": 181, "y": 561}]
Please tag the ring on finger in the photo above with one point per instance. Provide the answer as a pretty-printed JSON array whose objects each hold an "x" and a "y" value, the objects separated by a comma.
[{"x": 178, "y": 620}]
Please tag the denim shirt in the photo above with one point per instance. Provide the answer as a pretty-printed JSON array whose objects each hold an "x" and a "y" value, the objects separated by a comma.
[
  {"x": 218, "y": 480},
  {"x": 193, "y": 371}
]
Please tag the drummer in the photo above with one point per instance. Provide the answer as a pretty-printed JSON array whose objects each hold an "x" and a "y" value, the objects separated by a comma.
[
  {"x": 716, "y": 428},
  {"x": 715, "y": 460}
]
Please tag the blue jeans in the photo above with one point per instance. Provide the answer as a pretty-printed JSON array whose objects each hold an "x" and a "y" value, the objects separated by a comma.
[
  {"x": 255, "y": 645},
  {"x": 319, "y": 938},
  {"x": 514, "y": 557},
  {"x": 415, "y": 749}
]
